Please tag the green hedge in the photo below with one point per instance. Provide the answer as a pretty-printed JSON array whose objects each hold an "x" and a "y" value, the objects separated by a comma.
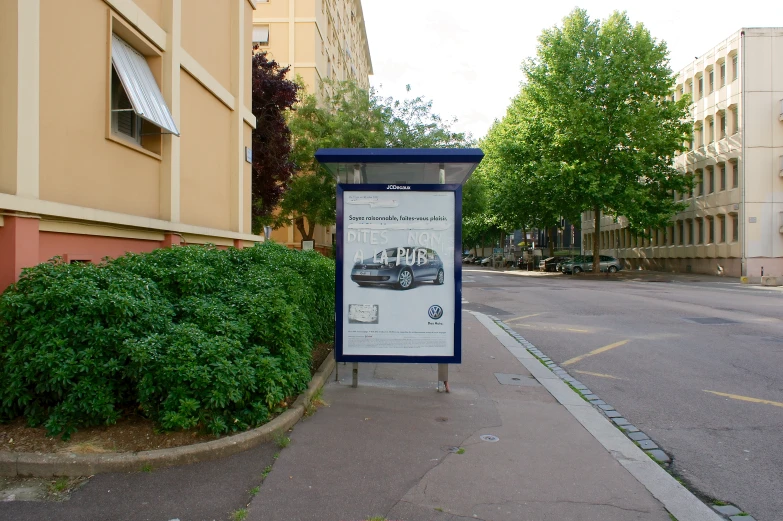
[{"x": 190, "y": 336}]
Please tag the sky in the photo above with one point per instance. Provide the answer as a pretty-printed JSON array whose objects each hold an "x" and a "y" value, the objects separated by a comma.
[{"x": 465, "y": 55}]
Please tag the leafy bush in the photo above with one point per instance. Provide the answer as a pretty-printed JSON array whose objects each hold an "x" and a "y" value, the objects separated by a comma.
[{"x": 193, "y": 336}]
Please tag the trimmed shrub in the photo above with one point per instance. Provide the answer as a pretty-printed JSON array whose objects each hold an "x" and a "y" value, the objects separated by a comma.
[{"x": 192, "y": 336}]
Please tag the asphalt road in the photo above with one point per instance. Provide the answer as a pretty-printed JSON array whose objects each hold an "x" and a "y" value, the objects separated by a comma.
[{"x": 697, "y": 365}]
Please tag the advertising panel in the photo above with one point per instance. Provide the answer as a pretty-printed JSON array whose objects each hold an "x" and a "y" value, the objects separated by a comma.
[{"x": 398, "y": 273}]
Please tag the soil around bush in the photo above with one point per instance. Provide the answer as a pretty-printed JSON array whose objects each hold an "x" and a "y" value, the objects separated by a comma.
[{"x": 132, "y": 433}]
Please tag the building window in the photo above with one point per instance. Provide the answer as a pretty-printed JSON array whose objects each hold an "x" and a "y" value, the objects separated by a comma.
[
  {"x": 734, "y": 68},
  {"x": 261, "y": 35},
  {"x": 681, "y": 232},
  {"x": 139, "y": 114},
  {"x": 711, "y": 230},
  {"x": 711, "y": 81},
  {"x": 722, "y": 223},
  {"x": 711, "y": 134},
  {"x": 681, "y": 92},
  {"x": 690, "y": 231},
  {"x": 700, "y": 182},
  {"x": 722, "y": 175},
  {"x": 722, "y": 116},
  {"x": 700, "y": 223},
  {"x": 125, "y": 122},
  {"x": 735, "y": 122},
  {"x": 734, "y": 227},
  {"x": 710, "y": 179},
  {"x": 701, "y": 87},
  {"x": 734, "y": 174},
  {"x": 722, "y": 74}
]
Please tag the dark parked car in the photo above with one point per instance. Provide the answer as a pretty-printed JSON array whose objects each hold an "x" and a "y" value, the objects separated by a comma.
[
  {"x": 551, "y": 263},
  {"x": 399, "y": 267}
]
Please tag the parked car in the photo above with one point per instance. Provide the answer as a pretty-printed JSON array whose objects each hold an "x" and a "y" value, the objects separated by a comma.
[
  {"x": 468, "y": 258},
  {"x": 478, "y": 259},
  {"x": 582, "y": 263},
  {"x": 551, "y": 263},
  {"x": 499, "y": 260},
  {"x": 399, "y": 267}
]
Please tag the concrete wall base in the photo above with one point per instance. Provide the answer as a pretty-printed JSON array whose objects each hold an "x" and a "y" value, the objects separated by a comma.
[{"x": 719, "y": 267}]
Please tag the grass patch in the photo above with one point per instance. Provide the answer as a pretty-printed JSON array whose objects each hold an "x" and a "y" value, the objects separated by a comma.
[
  {"x": 239, "y": 515},
  {"x": 438, "y": 509},
  {"x": 59, "y": 485},
  {"x": 267, "y": 471},
  {"x": 376, "y": 518},
  {"x": 461, "y": 451},
  {"x": 146, "y": 467},
  {"x": 282, "y": 440},
  {"x": 254, "y": 491},
  {"x": 672, "y": 518}
]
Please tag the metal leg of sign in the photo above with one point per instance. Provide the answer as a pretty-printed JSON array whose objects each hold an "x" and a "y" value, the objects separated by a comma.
[
  {"x": 355, "y": 379},
  {"x": 443, "y": 376}
]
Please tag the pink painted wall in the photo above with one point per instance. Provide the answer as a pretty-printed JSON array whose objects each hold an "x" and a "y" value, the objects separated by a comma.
[{"x": 89, "y": 247}]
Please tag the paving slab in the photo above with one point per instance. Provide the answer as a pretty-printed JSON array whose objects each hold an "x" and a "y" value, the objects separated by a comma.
[{"x": 382, "y": 449}]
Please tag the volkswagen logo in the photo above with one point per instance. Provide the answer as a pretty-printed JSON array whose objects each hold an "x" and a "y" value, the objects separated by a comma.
[{"x": 435, "y": 312}]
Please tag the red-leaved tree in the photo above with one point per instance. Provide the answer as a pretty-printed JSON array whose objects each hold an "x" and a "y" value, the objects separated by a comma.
[{"x": 273, "y": 94}]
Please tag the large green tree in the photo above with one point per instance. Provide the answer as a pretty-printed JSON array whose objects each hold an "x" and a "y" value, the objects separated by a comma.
[
  {"x": 348, "y": 117},
  {"x": 609, "y": 127}
]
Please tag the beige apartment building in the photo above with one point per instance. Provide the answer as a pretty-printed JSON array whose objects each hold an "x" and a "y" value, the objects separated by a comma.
[
  {"x": 319, "y": 40},
  {"x": 733, "y": 224},
  {"x": 124, "y": 126}
]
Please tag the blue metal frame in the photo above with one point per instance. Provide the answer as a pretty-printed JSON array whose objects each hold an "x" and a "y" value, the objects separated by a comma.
[
  {"x": 399, "y": 155},
  {"x": 457, "y": 357}
]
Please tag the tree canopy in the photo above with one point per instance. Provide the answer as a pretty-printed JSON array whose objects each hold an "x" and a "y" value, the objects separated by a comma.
[
  {"x": 349, "y": 117},
  {"x": 593, "y": 128},
  {"x": 273, "y": 95},
  {"x": 608, "y": 127}
]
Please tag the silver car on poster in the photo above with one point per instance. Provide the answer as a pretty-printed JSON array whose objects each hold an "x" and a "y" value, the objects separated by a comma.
[{"x": 399, "y": 268}]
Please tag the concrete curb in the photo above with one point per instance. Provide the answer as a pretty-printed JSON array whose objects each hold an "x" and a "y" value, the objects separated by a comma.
[
  {"x": 28, "y": 464},
  {"x": 678, "y": 500}
]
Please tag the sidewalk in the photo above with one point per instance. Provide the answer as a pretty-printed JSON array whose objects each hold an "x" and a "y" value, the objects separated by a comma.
[{"x": 396, "y": 448}]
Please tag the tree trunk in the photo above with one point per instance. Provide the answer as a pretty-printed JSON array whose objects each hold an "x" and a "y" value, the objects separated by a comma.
[
  {"x": 552, "y": 240},
  {"x": 597, "y": 240},
  {"x": 307, "y": 235}
]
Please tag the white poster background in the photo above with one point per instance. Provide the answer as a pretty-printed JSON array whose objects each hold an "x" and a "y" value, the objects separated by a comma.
[{"x": 381, "y": 319}]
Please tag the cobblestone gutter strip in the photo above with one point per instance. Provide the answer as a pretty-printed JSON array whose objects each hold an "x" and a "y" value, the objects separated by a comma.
[
  {"x": 26, "y": 464},
  {"x": 573, "y": 395}
]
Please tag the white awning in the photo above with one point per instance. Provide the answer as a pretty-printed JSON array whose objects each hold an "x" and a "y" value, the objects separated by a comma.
[
  {"x": 261, "y": 34},
  {"x": 140, "y": 85}
]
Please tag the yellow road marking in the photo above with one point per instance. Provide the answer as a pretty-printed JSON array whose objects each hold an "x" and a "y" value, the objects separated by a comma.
[
  {"x": 745, "y": 398},
  {"x": 523, "y": 317},
  {"x": 601, "y": 375},
  {"x": 594, "y": 352}
]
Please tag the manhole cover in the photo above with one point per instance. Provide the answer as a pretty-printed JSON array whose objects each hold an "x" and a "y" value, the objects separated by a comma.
[
  {"x": 489, "y": 437},
  {"x": 710, "y": 320},
  {"x": 516, "y": 379}
]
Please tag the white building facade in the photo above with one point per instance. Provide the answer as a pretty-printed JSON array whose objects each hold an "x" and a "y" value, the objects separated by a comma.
[{"x": 733, "y": 224}]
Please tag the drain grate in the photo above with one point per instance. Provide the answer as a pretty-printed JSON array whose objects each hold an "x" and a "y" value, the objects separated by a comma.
[
  {"x": 710, "y": 320},
  {"x": 489, "y": 437}
]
